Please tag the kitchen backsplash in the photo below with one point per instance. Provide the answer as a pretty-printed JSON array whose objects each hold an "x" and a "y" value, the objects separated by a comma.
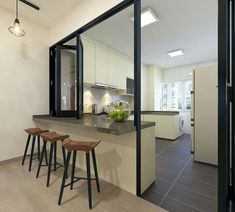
[{"x": 102, "y": 98}]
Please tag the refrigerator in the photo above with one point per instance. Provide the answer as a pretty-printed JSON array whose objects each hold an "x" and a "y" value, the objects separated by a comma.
[{"x": 204, "y": 115}]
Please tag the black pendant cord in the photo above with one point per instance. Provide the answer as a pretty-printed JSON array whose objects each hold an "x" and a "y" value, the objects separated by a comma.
[{"x": 17, "y": 9}]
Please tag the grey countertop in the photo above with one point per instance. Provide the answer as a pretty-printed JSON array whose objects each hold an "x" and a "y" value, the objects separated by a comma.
[
  {"x": 165, "y": 113},
  {"x": 99, "y": 123}
]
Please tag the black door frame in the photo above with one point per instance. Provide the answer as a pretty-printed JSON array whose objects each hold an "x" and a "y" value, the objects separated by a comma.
[
  {"x": 137, "y": 71},
  {"x": 226, "y": 107}
]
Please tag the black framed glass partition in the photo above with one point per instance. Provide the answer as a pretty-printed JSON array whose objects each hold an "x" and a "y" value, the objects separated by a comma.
[{"x": 57, "y": 92}]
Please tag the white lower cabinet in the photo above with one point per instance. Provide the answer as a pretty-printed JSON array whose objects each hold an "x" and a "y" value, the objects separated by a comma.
[{"x": 167, "y": 126}]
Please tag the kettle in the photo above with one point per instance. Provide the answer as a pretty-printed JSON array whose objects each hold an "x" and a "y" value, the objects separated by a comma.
[{"x": 94, "y": 108}]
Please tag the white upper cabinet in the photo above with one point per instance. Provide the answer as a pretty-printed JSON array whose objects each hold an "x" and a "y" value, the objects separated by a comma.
[
  {"x": 121, "y": 73},
  {"x": 130, "y": 69},
  {"x": 101, "y": 62},
  {"x": 89, "y": 62},
  {"x": 112, "y": 69}
]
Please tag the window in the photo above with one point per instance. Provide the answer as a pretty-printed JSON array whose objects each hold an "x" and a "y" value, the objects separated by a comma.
[{"x": 176, "y": 95}]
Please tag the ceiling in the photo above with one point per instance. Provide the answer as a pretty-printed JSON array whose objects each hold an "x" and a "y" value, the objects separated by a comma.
[
  {"x": 183, "y": 24},
  {"x": 50, "y": 10}
]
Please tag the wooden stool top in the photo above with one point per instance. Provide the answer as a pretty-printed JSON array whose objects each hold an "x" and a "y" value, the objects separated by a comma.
[
  {"x": 35, "y": 131},
  {"x": 53, "y": 137},
  {"x": 85, "y": 146}
]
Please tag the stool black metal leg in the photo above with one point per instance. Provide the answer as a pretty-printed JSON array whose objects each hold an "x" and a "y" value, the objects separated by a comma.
[
  {"x": 95, "y": 169},
  {"x": 73, "y": 168},
  {"x": 89, "y": 179},
  {"x": 49, "y": 165},
  {"x": 45, "y": 151},
  {"x": 38, "y": 147},
  {"x": 66, "y": 165},
  {"x": 55, "y": 153},
  {"x": 32, "y": 151},
  {"x": 64, "y": 158},
  {"x": 26, "y": 149},
  {"x": 41, "y": 157}
]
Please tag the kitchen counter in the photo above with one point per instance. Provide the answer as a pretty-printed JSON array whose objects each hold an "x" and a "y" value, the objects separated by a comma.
[
  {"x": 99, "y": 123},
  {"x": 116, "y": 154},
  {"x": 165, "y": 113}
]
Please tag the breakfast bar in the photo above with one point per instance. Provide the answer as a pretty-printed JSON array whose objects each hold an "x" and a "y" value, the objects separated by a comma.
[{"x": 116, "y": 154}]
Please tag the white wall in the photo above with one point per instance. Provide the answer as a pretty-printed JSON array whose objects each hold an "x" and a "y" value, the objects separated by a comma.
[
  {"x": 144, "y": 87},
  {"x": 154, "y": 77},
  {"x": 23, "y": 82},
  {"x": 182, "y": 73},
  {"x": 86, "y": 11},
  {"x": 24, "y": 69}
]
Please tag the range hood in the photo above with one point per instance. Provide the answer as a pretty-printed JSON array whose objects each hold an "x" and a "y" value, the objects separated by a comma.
[{"x": 101, "y": 86}]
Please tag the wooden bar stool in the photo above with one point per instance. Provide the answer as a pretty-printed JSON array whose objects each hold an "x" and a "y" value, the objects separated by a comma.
[
  {"x": 35, "y": 132},
  {"x": 51, "y": 137},
  {"x": 87, "y": 147}
]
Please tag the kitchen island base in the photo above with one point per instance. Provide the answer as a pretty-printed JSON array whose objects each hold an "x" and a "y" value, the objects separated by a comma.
[{"x": 116, "y": 154}]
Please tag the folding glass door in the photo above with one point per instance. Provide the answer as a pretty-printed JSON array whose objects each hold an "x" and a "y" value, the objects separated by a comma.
[{"x": 68, "y": 79}]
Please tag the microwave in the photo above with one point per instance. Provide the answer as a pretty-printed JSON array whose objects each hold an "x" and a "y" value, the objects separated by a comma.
[{"x": 130, "y": 86}]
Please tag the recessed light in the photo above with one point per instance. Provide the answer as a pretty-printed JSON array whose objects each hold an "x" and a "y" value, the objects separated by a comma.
[
  {"x": 190, "y": 73},
  {"x": 147, "y": 17},
  {"x": 176, "y": 53}
]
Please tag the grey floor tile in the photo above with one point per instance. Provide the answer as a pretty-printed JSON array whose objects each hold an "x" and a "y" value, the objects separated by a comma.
[
  {"x": 203, "y": 168},
  {"x": 198, "y": 187},
  {"x": 191, "y": 198},
  {"x": 165, "y": 176},
  {"x": 153, "y": 197},
  {"x": 172, "y": 160},
  {"x": 202, "y": 177},
  {"x": 179, "y": 156},
  {"x": 168, "y": 166},
  {"x": 159, "y": 186},
  {"x": 174, "y": 206},
  {"x": 161, "y": 145}
]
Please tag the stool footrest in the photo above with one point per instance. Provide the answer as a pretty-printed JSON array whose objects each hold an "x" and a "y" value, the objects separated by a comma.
[
  {"x": 57, "y": 167},
  {"x": 77, "y": 179}
]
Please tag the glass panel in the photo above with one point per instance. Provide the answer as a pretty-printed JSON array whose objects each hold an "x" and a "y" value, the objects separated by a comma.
[{"x": 68, "y": 80}]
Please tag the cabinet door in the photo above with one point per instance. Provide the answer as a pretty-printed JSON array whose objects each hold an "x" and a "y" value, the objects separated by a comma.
[
  {"x": 130, "y": 69},
  {"x": 112, "y": 69},
  {"x": 89, "y": 62},
  {"x": 121, "y": 73},
  {"x": 101, "y": 62}
]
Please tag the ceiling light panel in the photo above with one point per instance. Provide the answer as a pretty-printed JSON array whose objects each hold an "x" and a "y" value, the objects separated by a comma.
[
  {"x": 147, "y": 17},
  {"x": 176, "y": 53}
]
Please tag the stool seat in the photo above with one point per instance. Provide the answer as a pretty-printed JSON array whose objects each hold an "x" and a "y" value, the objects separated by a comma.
[
  {"x": 85, "y": 146},
  {"x": 35, "y": 131},
  {"x": 53, "y": 137}
]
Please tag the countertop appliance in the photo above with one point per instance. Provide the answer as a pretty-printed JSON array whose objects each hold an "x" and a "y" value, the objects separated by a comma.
[
  {"x": 204, "y": 115},
  {"x": 94, "y": 108},
  {"x": 130, "y": 86}
]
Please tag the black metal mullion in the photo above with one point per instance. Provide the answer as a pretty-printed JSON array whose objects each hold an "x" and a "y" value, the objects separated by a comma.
[
  {"x": 223, "y": 106},
  {"x": 137, "y": 91},
  {"x": 233, "y": 92}
]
